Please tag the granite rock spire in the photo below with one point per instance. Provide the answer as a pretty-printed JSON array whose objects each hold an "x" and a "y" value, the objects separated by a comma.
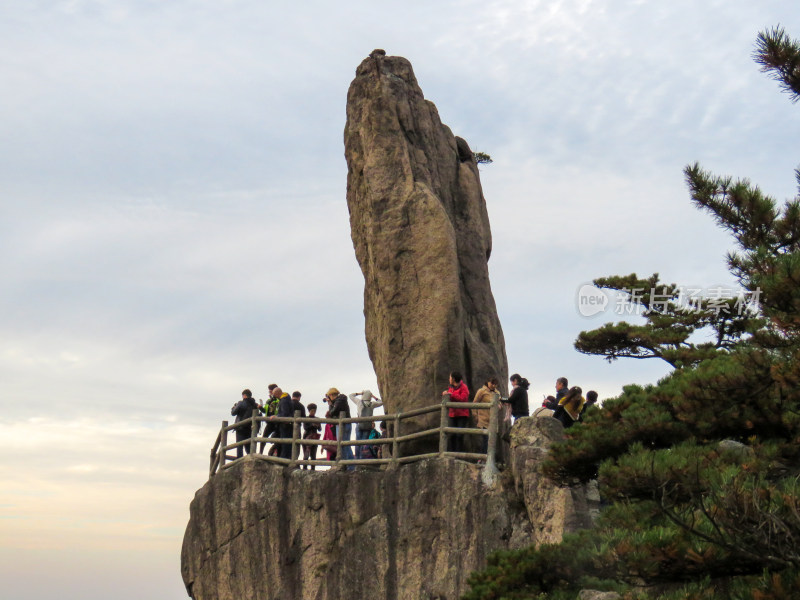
[{"x": 422, "y": 238}]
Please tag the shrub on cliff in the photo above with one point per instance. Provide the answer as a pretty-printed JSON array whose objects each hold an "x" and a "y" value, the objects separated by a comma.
[{"x": 702, "y": 469}]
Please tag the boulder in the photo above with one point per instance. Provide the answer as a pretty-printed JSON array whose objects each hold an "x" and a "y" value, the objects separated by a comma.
[
  {"x": 552, "y": 510},
  {"x": 422, "y": 238}
]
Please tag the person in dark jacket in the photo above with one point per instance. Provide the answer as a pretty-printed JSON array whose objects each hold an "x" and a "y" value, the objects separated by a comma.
[
  {"x": 562, "y": 387},
  {"x": 311, "y": 432},
  {"x": 297, "y": 405},
  {"x": 341, "y": 409},
  {"x": 244, "y": 410},
  {"x": 284, "y": 429},
  {"x": 518, "y": 399},
  {"x": 591, "y": 400}
]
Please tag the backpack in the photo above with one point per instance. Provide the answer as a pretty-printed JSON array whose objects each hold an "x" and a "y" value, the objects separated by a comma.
[
  {"x": 271, "y": 407},
  {"x": 371, "y": 451}
]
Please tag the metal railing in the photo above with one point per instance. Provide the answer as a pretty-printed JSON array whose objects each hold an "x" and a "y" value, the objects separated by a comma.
[{"x": 220, "y": 459}]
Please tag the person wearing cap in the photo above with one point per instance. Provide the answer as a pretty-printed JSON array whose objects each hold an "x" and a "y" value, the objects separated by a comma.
[
  {"x": 364, "y": 407},
  {"x": 341, "y": 409}
]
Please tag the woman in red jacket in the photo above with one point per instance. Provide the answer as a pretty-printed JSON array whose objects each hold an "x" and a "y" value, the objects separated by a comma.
[{"x": 459, "y": 417}]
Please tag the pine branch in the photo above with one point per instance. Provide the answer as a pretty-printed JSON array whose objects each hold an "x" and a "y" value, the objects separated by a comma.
[{"x": 779, "y": 55}]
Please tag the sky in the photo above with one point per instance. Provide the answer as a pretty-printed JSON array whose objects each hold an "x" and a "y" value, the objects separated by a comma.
[{"x": 174, "y": 228}]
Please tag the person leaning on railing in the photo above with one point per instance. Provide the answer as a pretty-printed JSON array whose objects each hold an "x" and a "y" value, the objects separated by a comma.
[
  {"x": 485, "y": 395},
  {"x": 459, "y": 417}
]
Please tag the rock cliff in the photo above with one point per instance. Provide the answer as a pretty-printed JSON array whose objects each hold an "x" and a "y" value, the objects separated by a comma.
[
  {"x": 416, "y": 533},
  {"x": 421, "y": 234}
]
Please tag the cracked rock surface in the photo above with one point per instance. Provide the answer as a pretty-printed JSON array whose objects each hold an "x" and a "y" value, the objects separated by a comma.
[
  {"x": 421, "y": 234},
  {"x": 262, "y": 531}
]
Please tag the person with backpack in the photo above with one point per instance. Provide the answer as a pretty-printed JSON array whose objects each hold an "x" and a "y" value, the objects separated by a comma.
[
  {"x": 364, "y": 408},
  {"x": 370, "y": 450},
  {"x": 270, "y": 409},
  {"x": 243, "y": 410},
  {"x": 284, "y": 429}
]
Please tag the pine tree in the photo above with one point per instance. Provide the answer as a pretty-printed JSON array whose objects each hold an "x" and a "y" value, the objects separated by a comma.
[
  {"x": 672, "y": 318},
  {"x": 702, "y": 469}
]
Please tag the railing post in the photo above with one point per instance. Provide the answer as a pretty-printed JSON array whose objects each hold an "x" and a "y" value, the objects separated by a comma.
[
  {"x": 214, "y": 456},
  {"x": 490, "y": 469},
  {"x": 295, "y": 436},
  {"x": 254, "y": 426},
  {"x": 395, "y": 444},
  {"x": 223, "y": 445},
  {"x": 442, "y": 424},
  {"x": 339, "y": 438}
]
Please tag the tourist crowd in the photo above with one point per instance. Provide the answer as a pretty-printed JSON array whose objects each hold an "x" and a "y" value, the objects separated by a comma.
[
  {"x": 567, "y": 405},
  {"x": 280, "y": 404}
]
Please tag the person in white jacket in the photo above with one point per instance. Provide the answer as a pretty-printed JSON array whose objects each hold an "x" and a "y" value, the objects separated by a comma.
[{"x": 365, "y": 405}]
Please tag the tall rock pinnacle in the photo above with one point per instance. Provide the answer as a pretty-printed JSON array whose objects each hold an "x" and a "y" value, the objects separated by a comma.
[{"x": 421, "y": 234}]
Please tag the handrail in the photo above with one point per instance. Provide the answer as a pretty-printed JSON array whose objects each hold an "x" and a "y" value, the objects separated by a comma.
[{"x": 220, "y": 460}]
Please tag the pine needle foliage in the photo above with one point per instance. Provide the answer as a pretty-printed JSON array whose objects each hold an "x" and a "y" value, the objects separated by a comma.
[
  {"x": 670, "y": 325},
  {"x": 700, "y": 471}
]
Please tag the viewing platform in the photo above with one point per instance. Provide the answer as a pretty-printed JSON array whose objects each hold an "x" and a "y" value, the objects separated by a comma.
[{"x": 220, "y": 459}]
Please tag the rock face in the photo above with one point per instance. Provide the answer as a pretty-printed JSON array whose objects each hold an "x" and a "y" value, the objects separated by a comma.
[
  {"x": 421, "y": 234},
  {"x": 552, "y": 510},
  {"x": 416, "y": 533}
]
